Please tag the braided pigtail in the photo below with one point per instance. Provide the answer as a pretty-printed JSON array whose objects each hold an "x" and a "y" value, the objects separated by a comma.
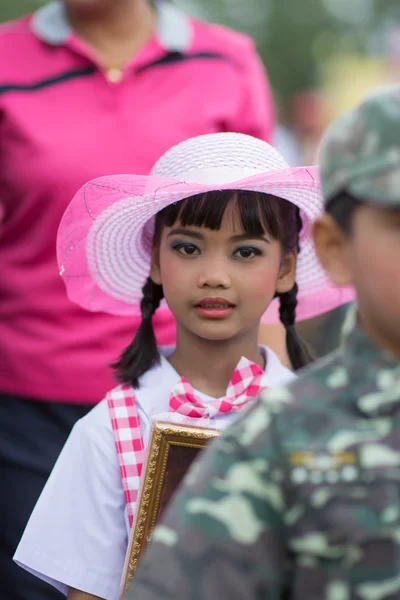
[
  {"x": 298, "y": 351},
  {"x": 142, "y": 354}
]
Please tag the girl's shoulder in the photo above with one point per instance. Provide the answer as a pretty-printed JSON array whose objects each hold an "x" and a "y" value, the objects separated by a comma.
[
  {"x": 98, "y": 416},
  {"x": 276, "y": 373},
  {"x": 95, "y": 427}
]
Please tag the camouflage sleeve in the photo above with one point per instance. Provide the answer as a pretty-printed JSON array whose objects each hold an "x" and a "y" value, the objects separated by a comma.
[{"x": 222, "y": 537}]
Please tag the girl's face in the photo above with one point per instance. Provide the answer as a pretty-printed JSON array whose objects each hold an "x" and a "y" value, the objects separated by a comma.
[{"x": 219, "y": 283}]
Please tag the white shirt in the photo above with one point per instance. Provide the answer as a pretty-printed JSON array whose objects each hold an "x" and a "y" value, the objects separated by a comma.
[{"x": 77, "y": 535}]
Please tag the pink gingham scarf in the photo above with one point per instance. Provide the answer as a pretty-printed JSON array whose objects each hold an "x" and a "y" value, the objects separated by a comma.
[
  {"x": 128, "y": 442},
  {"x": 246, "y": 383}
]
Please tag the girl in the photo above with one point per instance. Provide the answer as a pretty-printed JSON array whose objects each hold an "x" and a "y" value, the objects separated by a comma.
[{"x": 215, "y": 231}]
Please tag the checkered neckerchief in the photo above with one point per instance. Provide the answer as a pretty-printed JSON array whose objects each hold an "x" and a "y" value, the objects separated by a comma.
[{"x": 246, "y": 383}]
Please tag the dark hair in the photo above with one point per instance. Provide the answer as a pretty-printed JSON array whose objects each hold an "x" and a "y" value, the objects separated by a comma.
[
  {"x": 342, "y": 207},
  {"x": 259, "y": 213}
]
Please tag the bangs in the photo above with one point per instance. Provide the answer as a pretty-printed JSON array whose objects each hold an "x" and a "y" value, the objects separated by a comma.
[{"x": 259, "y": 213}]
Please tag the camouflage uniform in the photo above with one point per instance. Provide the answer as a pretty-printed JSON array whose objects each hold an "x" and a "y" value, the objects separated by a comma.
[{"x": 300, "y": 498}]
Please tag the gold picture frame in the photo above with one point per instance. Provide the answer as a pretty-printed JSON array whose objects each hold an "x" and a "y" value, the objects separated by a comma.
[{"x": 173, "y": 447}]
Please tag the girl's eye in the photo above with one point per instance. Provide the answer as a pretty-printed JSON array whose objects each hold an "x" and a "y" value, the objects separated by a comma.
[
  {"x": 247, "y": 252},
  {"x": 186, "y": 249}
]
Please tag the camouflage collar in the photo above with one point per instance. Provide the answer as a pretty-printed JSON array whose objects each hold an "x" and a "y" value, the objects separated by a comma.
[{"x": 373, "y": 375}]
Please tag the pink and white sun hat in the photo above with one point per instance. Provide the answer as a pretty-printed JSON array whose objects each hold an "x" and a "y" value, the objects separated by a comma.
[{"x": 105, "y": 237}]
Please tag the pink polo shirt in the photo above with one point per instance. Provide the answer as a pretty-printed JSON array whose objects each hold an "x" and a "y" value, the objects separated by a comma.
[{"x": 63, "y": 121}]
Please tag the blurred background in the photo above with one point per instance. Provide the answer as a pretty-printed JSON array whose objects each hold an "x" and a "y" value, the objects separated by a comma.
[{"x": 321, "y": 56}]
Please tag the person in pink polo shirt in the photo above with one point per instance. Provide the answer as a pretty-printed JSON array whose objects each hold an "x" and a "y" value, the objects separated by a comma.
[{"x": 87, "y": 88}]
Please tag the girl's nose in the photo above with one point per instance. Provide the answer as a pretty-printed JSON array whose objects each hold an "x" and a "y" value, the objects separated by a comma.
[{"x": 214, "y": 275}]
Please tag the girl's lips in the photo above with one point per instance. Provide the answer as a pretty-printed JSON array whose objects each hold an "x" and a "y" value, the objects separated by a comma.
[
  {"x": 214, "y": 308},
  {"x": 221, "y": 303}
]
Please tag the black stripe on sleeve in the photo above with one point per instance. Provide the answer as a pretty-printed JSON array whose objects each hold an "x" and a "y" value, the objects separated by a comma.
[{"x": 44, "y": 83}]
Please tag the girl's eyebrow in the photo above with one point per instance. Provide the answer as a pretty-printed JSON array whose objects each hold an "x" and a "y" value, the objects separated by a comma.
[
  {"x": 235, "y": 238},
  {"x": 249, "y": 236},
  {"x": 184, "y": 231}
]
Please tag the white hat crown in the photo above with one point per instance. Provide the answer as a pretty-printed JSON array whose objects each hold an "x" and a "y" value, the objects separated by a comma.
[{"x": 219, "y": 157}]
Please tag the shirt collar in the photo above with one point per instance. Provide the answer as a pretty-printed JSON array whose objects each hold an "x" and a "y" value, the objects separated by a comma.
[
  {"x": 50, "y": 24},
  {"x": 373, "y": 375}
]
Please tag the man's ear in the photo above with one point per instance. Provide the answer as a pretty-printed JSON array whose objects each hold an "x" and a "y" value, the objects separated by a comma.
[
  {"x": 287, "y": 273},
  {"x": 155, "y": 270},
  {"x": 331, "y": 245}
]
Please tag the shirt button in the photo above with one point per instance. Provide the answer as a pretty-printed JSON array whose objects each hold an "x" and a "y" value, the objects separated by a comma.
[{"x": 114, "y": 75}]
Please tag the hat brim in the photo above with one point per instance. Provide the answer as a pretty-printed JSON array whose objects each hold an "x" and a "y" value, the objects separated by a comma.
[{"x": 105, "y": 237}]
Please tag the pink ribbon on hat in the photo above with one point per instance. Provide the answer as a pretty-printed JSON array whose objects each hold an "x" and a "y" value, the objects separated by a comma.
[{"x": 246, "y": 383}]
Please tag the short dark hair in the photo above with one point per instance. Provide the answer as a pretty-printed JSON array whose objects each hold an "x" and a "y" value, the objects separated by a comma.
[
  {"x": 342, "y": 208},
  {"x": 260, "y": 213}
]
